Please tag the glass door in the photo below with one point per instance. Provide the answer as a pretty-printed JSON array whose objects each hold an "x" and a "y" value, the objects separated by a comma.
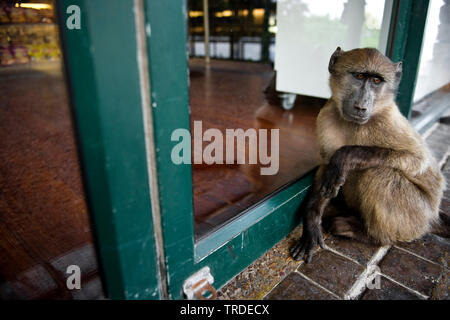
[
  {"x": 259, "y": 53},
  {"x": 432, "y": 89},
  {"x": 47, "y": 246},
  {"x": 152, "y": 122}
]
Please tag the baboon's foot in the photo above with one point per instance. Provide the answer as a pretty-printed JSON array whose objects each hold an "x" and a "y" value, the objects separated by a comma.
[{"x": 349, "y": 227}]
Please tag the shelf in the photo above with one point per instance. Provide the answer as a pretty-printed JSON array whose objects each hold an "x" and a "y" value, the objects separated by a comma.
[{"x": 27, "y": 24}]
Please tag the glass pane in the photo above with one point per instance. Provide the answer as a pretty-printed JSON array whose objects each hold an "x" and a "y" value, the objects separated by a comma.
[
  {"x": 309, "y": 31},
  {"x": 434, "y": 67},
  {"x": 44, "y": 227},
  {"x": 268, "y": 76}
]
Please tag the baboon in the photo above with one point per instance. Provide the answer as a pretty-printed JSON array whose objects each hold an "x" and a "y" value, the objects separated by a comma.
[{"x": 372, "y": 157}]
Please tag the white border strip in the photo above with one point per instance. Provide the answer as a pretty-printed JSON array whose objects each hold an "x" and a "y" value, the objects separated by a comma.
[{"x": 144, "y": 80}]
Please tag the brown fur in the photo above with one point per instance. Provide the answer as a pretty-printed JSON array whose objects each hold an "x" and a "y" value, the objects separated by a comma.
[
  {"x": 398, "y": 199},
  {"x": 372, "y": 157}
]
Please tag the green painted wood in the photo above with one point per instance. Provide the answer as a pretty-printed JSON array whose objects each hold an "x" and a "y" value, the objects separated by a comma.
[
  {"x": 168, "y": 69},
  {"x": 253, "y": 233},
  {"x": 102, "y": 70},
  {"x": 269, "y": 222},
  {"x": 405, "y": 44},
  {"x": 247, "y": 219},
  {"x": 401, "y": 13},
  {"x": 245, "y": 239}
]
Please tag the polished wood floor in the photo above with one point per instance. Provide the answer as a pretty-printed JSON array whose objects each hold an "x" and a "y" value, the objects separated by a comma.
[
  {"x": 44, "y": 225},
  {"x": 230, "y": 95}
]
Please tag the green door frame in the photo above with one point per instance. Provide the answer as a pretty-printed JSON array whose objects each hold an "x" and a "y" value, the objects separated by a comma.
[
  {"x": 103, "y": 76},
  {"x": 405, "y": 44},
  {"x": 109, "y": 102}
]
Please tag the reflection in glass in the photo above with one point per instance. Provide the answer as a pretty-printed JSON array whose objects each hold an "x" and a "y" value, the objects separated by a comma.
[
  {"x": 44, "y": 225},
  {"x": 434, "y": 67},
  {"x": 239, "y": 30},
  {"x": 227, "y": 94},
  {"x": 309, "y": 31}
]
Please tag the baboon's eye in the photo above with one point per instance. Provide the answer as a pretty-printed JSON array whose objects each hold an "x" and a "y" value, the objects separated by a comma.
[
  {"x": 376, "y": 80},
  {"x": 360, "y": 76}
]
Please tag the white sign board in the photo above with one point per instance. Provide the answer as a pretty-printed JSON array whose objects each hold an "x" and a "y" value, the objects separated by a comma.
[{"x": 308, "y": 32}]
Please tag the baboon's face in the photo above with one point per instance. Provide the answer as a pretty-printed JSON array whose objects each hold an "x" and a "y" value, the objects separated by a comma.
[
  {"x": 362, "y": 89},
  {"x": 362, "y": 81}
]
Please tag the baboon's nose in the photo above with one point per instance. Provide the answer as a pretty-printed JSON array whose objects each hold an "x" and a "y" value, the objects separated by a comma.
[{"x": 360, "y": 108}]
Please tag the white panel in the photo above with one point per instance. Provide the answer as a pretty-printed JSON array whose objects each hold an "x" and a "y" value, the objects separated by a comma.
[
  {"x": 434, "y": 67},
  {"x": 222, "y": 50},
  {"x": 308, "y": 32},
  {"x": 252, "y": 51}
]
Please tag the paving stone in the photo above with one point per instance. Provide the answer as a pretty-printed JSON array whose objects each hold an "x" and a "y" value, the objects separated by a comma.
[
  {"x": 332, "y": 271},
  {"x": 446, "y": 173},
  {"x": 442, "y": 290},
  {"x": 438, "y": 142},
  {"x": 358, "y": 251},
  {"x": 411, "y": 271},
  {"x": 296, "y": 287},
  {"x": 446, "y": 197},
  {"x": 264, "y": 274},
  {"x": 446, "y": 168},
  {"x": 431, "y": 247},
  {"x": 389, "y": 290}
]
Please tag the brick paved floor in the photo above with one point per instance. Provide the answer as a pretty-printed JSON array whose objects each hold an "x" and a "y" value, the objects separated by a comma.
[{"x": 346, "y": 269}]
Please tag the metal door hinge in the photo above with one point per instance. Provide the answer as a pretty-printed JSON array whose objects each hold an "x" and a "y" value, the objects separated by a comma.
[{"x": 199, "y": 286}]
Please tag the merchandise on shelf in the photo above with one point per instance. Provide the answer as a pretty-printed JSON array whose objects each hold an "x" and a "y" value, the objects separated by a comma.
[
  {"x": 4, "y": 18},
  {"x": 6, "y": 57},
  {"x": 10, "y": 14},
  {"x": 27, "y": 35},
  {"x": 28, "y": 43}
]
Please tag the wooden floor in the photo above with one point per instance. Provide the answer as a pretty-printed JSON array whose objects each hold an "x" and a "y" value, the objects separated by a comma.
[
  {"x": 44, "y": 225},
  {"x": 231, "y": 95}
]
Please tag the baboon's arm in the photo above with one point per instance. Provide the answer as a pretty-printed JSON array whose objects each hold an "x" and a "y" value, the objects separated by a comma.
[
  {"x": 349, "y": 158},
  {"x": 312, "y": 233},
  {"x": 331, "y": 177}
]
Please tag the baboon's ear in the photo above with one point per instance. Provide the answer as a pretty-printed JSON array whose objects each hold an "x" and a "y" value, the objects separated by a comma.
[
  {"x": 398, "y": 67},
  {"x": 334, "y": 57}
]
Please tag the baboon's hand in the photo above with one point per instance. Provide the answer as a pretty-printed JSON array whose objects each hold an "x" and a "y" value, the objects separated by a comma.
[
  {"x": 332, "y": 181},
  {"x": 305, "y": 247}
]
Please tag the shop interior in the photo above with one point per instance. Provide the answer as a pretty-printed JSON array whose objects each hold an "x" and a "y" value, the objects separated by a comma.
[
  {"x": 44, "y": 221},
  {"x": 234, "y": 86},
  {"x": 233, "y": 78}
]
